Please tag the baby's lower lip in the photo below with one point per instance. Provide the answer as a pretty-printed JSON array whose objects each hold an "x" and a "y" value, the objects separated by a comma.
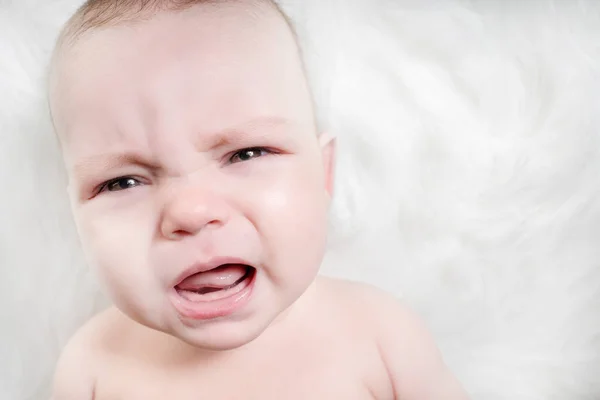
[{"x": 211, "y": 306}]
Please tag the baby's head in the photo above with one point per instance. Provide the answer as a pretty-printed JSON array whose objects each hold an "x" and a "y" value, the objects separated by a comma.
[{"x": 190, "y": 142}]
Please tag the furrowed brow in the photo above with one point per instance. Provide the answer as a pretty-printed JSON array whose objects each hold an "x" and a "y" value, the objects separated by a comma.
[
  {"x": 105, "y": 162},
  {"x": 235, "y": 135}
]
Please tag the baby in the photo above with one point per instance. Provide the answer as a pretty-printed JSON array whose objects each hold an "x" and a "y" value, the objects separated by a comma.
[{"x": 200, "y": 187}]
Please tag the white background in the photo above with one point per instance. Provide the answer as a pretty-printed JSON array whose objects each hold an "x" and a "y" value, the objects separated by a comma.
[{"x": 468, "y": 183}]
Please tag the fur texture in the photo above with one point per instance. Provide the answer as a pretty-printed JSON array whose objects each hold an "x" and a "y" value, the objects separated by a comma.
[{"x": 469, "y": 151}]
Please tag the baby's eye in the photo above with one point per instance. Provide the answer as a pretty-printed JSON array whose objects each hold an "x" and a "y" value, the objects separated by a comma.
[
  {"x": 248, "y": 154},
  {"x": 119, "y": 184}
]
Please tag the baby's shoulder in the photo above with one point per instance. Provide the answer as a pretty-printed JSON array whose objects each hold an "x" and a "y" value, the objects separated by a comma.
[
  {"x": 98, "y": 334},
  {"x": 75, "y": 372},
  {"x": 373, "y": 311},
  {"x": 362, "y": 300},
  {"x": 414, "y": 365}
]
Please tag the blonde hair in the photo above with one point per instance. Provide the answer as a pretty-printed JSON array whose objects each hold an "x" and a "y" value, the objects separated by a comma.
[{"x": 95, "y": 14}]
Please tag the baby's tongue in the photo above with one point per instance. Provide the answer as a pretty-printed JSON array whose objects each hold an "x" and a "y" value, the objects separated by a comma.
[{"x": 218, "y": 278}]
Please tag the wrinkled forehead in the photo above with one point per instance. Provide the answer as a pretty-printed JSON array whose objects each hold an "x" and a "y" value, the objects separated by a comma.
[{"x": 206, "y": 54}]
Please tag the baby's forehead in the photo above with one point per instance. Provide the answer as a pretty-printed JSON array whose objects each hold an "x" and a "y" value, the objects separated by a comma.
[
  {"x": 213, "y": 27},
  {"x": 219, "y": 63}
]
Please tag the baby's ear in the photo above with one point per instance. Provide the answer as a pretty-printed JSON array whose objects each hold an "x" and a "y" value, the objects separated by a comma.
[{"x": 328, "y": 148}]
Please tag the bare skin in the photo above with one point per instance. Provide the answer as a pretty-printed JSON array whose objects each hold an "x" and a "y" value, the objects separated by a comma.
[
  {"x": 189, "y": 138},
  {"x": 334, "y": 345}
]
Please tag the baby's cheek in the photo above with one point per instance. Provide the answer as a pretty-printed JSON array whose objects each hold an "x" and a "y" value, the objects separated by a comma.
[
  {"x": 117, "y": 246},
  {"x": 294, "y": 212},
  {"x": 292, "y": 225}
]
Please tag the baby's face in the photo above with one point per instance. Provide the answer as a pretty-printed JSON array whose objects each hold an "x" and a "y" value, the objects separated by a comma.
[{"x": 190, "y": 143}]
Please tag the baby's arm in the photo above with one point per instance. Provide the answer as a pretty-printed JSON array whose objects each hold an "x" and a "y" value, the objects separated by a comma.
[
  {"x": 73, "y": 377},
  {"x": 72, "y": 380},
  {"x": 414, "y": 364}
]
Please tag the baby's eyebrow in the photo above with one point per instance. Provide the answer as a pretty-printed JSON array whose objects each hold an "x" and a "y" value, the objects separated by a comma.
[
  {"x": 265, "y": 126},
  {"x": 100, "y": 162}
]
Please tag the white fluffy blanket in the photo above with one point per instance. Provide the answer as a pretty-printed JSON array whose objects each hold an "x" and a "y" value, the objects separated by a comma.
[{"x": 469, "y": 183}]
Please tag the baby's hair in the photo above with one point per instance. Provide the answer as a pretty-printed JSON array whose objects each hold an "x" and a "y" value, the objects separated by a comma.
[{"x": 94, "y": 14}]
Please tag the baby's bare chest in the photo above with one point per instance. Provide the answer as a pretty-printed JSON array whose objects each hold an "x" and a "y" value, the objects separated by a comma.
[
  {"x": 328, "y": 380},
  {"x": 295, "y": 374}
]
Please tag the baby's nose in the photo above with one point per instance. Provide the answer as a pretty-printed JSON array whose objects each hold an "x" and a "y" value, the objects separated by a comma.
[{"x": 190, "y": 210}]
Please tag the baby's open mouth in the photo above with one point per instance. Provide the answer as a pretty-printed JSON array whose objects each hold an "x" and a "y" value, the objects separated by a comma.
[{"x": 216, "y": 283}]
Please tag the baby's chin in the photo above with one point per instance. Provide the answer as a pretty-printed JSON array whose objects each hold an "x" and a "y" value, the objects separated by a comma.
[
  {"x": 218, "y": 339},
  {"x": 220, "y": 334},
  {"x": 267, "y": 310}
]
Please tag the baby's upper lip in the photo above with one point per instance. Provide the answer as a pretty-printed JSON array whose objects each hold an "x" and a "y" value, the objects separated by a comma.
[{"x": 207, "y": 266}]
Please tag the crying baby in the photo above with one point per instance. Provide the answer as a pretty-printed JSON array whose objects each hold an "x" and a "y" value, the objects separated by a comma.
[{"x": 200, "y": 186}]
